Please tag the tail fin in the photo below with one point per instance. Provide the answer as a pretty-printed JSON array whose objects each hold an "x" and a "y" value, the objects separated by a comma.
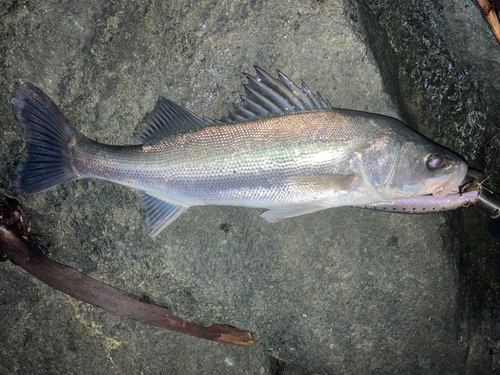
[{"x": 49, "y": 133}]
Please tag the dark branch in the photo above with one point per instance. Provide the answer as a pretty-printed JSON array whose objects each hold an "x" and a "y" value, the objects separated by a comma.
[{"x": 16, "y": 245}]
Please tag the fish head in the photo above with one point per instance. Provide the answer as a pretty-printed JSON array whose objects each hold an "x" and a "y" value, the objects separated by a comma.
[{"x": 426, "y": 168}]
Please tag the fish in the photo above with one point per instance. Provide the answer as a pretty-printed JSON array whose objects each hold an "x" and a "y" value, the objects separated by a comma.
[{"x": 283, "y": 149}]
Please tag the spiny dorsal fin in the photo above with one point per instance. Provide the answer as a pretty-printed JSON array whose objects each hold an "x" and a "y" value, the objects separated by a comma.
[{"x": 264, "y": 96}]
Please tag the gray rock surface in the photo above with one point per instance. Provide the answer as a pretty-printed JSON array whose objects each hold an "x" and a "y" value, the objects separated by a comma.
[
  {"x": 447, "y": 61},
  {"x": 339, "y": 291}
]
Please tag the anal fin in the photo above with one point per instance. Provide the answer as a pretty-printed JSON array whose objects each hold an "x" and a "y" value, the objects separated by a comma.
[{"x": 159, "y": 213}]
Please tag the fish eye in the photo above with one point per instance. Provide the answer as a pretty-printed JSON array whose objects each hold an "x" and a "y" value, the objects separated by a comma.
[{"x": 433, "y": 161}]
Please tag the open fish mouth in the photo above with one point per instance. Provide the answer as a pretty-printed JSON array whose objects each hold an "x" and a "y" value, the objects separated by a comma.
[{"x": 444, "y": 185}]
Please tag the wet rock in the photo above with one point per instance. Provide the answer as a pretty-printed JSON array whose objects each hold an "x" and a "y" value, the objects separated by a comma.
[{"x": 344, "y": 290}]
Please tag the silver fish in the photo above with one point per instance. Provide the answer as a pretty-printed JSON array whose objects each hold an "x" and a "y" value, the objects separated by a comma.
[{"x": 283, "y": 148}]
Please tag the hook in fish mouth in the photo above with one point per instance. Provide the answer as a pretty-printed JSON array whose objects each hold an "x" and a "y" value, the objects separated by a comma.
[{"x": 445, "y": 185}]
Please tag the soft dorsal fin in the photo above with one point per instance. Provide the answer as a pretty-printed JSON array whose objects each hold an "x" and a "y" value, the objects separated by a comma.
[
  {"x": 168, "y": 118},
  {"x": 264, "y": 96}
]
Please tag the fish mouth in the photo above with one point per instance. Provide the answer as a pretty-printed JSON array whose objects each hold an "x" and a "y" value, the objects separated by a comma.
[{"x": 444, "y": 185}]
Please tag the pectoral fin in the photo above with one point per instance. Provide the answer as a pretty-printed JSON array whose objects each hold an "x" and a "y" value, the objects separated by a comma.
[
  {"x": 159, "y": 213},
  {"x": 335, "y": 182},
  {"x": 277, "y": 214}
]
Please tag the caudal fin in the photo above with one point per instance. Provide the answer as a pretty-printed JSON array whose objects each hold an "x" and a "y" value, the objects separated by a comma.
[{"x": 49, "y": 133}]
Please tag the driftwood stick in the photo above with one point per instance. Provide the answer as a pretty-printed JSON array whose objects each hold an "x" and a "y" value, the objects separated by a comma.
[
  {"x": 490, "y": 13},
  {"x": 17, "y": 247}
]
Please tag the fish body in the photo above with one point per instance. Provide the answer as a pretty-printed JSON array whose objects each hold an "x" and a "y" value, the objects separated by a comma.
[{"x": 284, "y": 149}]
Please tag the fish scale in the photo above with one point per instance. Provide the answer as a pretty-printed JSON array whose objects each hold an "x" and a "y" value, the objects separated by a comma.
[
  {"x": 203, "y": 167},
  {"x": 284, "y": 149}
]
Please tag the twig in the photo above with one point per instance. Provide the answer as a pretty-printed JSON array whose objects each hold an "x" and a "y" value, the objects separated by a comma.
[
  {"x": 490, "y": 13},
  {"x": 16, "y": 245}
]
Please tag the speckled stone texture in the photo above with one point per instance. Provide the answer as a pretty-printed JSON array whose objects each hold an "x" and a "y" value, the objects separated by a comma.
[{"x": 340, "y": 291}]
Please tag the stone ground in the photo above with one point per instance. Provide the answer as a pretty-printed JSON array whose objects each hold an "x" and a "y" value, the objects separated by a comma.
[{"x": 339, "y": 291}]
